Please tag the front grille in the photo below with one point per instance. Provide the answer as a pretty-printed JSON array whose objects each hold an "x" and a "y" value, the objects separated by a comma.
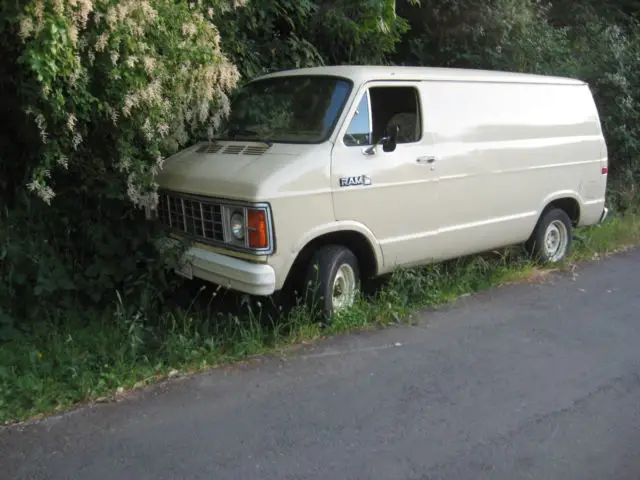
[{"x": 185, "y": 214}]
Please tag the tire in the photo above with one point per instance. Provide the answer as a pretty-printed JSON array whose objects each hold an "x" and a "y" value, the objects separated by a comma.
[
  {"x": 551, "y": 239},
  {"x": 332, "y": 269}
]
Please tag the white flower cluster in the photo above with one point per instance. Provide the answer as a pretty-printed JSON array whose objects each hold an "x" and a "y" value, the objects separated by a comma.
[{"x": 163, "y": 104}]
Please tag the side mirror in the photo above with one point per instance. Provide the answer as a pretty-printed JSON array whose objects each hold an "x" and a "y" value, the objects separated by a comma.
[
  {"x": 390, "y": 142},
  {"x": 387, "y": 142}
]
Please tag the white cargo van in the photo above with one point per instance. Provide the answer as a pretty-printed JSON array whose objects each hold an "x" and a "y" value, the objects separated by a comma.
[{"x": 331, "y": 175}]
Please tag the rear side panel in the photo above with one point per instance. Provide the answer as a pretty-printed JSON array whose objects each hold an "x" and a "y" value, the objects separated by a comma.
[
  {"x": 504, "y": 151},
  {"x": 594, "y": 186}
]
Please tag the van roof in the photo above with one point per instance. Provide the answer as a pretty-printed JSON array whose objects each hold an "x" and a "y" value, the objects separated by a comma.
[{"x": 364, "y": 73}]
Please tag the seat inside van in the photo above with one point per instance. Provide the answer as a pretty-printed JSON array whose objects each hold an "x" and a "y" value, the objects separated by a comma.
[{"x": 396, "y": 107}]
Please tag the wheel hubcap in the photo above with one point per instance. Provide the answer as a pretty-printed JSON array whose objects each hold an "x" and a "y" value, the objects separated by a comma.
[
  {"x": 344, "y": 287},
  {"x": 556, "y": 239}
]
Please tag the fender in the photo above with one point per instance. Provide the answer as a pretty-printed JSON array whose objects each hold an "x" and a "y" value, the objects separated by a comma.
[
  {"x": 341, "y": 226},
  {"x": 560, "y": 195}
]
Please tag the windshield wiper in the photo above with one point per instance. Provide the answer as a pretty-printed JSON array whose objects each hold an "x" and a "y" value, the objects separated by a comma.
[
  {"x": 242, "y": 131},
  {"x": 232, "y": 133}
]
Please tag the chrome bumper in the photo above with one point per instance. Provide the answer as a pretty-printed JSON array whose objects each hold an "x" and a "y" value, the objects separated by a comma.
[
  {"x": 603, "y": 216},
  {"x": 229, "y": 272}
]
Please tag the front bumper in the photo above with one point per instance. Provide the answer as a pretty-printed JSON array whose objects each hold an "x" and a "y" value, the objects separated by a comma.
[{"x": 233, "y": 273}]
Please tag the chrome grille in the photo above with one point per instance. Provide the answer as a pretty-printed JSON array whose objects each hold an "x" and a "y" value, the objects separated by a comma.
[{"x": 185, "y": 214}]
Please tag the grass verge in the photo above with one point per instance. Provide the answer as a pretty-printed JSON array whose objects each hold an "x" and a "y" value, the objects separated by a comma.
[{"x": 71, "y": 358}]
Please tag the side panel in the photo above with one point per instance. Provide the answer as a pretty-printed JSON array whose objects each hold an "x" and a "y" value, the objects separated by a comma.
[{"x": 502, "y": 150}]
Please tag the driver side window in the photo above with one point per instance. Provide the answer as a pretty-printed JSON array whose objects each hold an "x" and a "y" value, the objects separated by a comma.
[
  {"x": 359, "y": 131},
  {"x": 385, "y": 109}
]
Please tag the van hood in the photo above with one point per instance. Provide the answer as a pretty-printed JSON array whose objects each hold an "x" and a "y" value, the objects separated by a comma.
[{"x": 236, "y": 170}]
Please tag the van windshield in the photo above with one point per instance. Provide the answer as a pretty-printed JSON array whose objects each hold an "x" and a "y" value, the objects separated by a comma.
[{"x": 292, "y": 109}]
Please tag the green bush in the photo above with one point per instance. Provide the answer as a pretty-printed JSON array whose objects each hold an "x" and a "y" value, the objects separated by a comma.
[
  {"x": 99, "y": 93},
  {"x": 609, "y": 56},
  {"x": 126, "y": 81}
]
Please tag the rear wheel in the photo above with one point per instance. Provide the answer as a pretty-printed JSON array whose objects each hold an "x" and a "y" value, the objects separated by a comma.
[
  {"x": 551, "y": 239},
  {"x": 332, "y": 280}
]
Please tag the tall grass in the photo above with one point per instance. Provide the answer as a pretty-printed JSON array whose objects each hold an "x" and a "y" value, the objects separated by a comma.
[{"x": 73, "y": 357}]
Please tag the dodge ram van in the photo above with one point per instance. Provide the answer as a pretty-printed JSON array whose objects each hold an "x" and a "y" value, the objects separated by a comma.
[{"x": 328, "y": 176}]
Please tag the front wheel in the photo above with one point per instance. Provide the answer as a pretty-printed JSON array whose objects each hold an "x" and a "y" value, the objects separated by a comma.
[
  {"x": 550, "y": 242},
  {"x": 332, "y": 280}
]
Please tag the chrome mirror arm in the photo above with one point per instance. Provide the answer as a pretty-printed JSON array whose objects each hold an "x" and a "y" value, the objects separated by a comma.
[{"x": 371, "y": 149}]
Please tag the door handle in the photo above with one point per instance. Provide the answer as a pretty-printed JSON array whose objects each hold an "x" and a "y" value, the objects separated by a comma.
[{"x": 426, "y": 160}]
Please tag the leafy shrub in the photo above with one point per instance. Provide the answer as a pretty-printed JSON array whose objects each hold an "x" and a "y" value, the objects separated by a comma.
[
  {"x": 100, "y": 92},
  {"x": 137, "y": 75},
  {"x": 608, "y": 56}
]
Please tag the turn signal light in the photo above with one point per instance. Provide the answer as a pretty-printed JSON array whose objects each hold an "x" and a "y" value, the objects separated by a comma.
[{"x": 257, "y": 226}]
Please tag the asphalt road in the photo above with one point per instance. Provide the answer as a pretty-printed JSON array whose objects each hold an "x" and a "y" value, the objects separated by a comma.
[{"x": 538, "y": 381}]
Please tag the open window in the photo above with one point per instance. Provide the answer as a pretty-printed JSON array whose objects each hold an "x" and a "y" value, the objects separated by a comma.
[{"x": 382, "y": 109}]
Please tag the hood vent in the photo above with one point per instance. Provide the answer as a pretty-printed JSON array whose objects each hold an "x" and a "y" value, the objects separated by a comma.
[
  {"x": 234, "y": 149},
  {"x": 209, "y": 148},
  {"x": 255, "y": 150}
]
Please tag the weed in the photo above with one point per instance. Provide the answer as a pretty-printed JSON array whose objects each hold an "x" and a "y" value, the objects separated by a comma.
[{"x": 72, "y": 357}]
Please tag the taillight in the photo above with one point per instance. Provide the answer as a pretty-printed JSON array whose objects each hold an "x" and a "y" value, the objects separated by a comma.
[
  {"x": 605, "y": 170},
  {"x": 257, "y": 226}
]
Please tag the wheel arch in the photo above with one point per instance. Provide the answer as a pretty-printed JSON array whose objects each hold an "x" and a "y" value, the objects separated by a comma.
[
  {"x": 351, "y": 235},
  {"x": 568, "y": 201}
]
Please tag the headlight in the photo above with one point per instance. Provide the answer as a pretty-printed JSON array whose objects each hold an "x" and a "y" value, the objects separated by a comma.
[
  {"x": 248, "y": 228},
  {"x": 237, "y": 226}
]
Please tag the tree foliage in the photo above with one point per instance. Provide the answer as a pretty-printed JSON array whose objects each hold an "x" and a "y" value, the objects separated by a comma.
[
  {"x": 128, "y": 79},
  {"x": 98, "y": 93},
  {"x": 268, "y": 35}
]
